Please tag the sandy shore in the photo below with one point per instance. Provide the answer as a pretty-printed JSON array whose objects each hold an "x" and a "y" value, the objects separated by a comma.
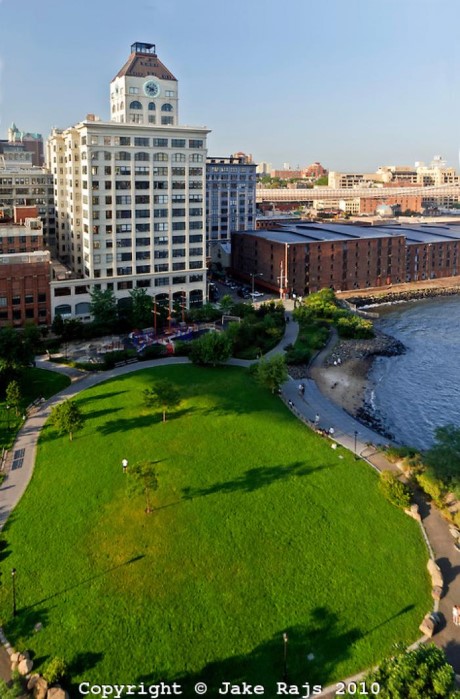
[{"x": 344, "y": 384}]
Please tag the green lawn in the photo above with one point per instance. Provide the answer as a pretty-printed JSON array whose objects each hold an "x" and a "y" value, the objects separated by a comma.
[
  {"x": 260, "y": 528},
  {"x": 34, "y": 384}
]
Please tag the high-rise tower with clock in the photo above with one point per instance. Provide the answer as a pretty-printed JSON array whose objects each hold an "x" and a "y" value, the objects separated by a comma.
[
  {"x": 130, "y": 195},
  {"x": 144, "y": 91}
]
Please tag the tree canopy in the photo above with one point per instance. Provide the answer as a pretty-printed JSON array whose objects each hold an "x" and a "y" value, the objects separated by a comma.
[
  {"x": 163, "y": 394},
  {"x": 143, "y": 479},
  {"x": 211, "y": 348},
  {"x": 423, "y": 672},
  {"x": 272, "y": 372},
  {"x": 103, "y": 306},
  {"x": 67, "y": 417}
]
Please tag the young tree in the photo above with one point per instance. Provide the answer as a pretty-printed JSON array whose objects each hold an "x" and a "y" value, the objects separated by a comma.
[
  {"x": 423, "y": 672},
  {"x": 67, "y": 417},
  {"x": 163, "y": 394},
  {"x": 211, "y": 348},
  {"x": 103, "y": 306},
  {"x": 142, "y": 309},
  {"x": 272, "y": 372},
  {"x": 14, "y": 396},
  {"x": 143, "y": 479}
]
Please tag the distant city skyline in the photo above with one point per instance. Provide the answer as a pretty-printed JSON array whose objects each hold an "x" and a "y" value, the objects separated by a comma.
[{"x": 353, "y": 85}]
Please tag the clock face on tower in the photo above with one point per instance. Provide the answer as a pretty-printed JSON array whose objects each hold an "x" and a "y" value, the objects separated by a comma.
[{"x": 151, "y": 88}]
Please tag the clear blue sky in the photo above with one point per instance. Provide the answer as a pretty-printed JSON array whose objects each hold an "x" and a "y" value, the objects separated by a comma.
[{"x": 353, "y": 83}]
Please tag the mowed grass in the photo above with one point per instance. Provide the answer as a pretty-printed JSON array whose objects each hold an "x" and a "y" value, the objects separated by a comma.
[{"x": 260, "y": 528}]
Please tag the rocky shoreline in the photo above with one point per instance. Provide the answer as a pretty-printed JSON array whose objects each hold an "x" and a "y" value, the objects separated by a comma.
[
  {"x": 379, "y": 346},
  {"x": 401, "y": 296}
]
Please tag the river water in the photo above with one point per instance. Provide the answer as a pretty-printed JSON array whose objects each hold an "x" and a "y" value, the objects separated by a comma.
[{"x": 420, "y": 390}]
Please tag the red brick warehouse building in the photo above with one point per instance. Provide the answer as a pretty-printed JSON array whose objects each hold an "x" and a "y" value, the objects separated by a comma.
[{"x": 306, "y": 257}]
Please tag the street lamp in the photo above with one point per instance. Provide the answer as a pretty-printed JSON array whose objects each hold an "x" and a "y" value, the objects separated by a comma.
[
  {"x": 8, "y": 415},
  {"x": 13, "y": 578},
  {"x": 356, "y": 439},
  {"x": 285, "y": 642}
]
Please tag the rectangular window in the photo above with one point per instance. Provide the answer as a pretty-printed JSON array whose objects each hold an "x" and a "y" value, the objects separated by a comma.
[
  {"x": 160, "y": 199},
  {"x": 178, "y": 143},
  {"x": 178, "y": 266},
  {"x": 160, "y": 142},
  {"x": 160, "y": 171},
  {"x": 178, "y": 239},
  {"x": 143, "y": 142},
  {"x": 163, "y": 281},
  {"x": 179, "y": 280},
  {"x": 195, "y": 143},
  {"x": 179, "y": 226},
  {"x": 142, "y": 213},
  {"x": 142, "y": 228},
  {"x": 142, "y": 199},
  {"x": 167, "y": 120},
  {"x": 160, "y": 227}
]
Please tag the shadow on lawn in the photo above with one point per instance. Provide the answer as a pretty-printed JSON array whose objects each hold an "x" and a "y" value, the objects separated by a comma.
[
  {"x": 141, "y": 421},
  {"x": 253, "y": 479},
  {"x": 322, "y": 636},
  {"x": 90, "y": 399},
  {"x": 85, "y": 581}
]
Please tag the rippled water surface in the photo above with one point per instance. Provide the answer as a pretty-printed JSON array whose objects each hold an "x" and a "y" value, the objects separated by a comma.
[{"x": 420, "y": 390}]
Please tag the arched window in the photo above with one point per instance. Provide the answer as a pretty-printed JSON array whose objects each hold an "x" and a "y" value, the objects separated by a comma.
[
  {"x": 135, "y": 104},
  {"x": 83, "y": 308},
  {"x": 167, "y": 108},
  {"x": 123, "y": 155},
  {"x": 179, "y": 158},
  {"x": 141, "y": 156},
  {"x": 63, "y": 310},
  {"x": 160, "y": 157},
  {"x": 151, "y": 106}
]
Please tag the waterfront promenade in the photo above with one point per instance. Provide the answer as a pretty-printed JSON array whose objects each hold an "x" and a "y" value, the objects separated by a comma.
[{"x": 348, "y": 432}]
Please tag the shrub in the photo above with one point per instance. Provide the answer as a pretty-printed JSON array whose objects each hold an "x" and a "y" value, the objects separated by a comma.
[
  {"x": 55, "y": 670},
  {"x": 155, "y": 351},
  {"x": 112, "y": 358},
  {"x": 432, "y": 486},
  {"x": 182, "y": 348},
  {"x": 394, "y": 490},
  {"x": 12, "y": 690}
]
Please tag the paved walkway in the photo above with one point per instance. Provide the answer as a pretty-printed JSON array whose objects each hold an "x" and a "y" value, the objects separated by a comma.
[{"x": 347, "y": 432}]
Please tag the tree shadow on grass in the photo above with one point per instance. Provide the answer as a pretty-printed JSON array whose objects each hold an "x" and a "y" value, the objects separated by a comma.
[
  {"x": 322, "y": 637},
  {"x": 86, "y": 581},
  {"x": 81, "y": 663},
  {"x": 23, "y": 624},
  {"x": 102, "y": 396},
  {"x": 93, "y": 415},
  {"x": 254, "y": 479},
  {"x": 140, "y": 421}
]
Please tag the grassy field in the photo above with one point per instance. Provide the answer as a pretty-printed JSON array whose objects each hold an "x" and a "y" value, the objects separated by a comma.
[
  {"x": 260, "y": 528},
  {"x": 34, "y": 384}
]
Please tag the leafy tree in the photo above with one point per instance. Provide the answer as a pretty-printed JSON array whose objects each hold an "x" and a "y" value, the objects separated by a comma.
[
  {"x": 163, "y": 394},
  {"x": 272, "y": 372},
  {"x": 67, "y": 417},
  {"x": 14, "y": 396},
  {"x": 226, "y": 303},
  {"x": 15, "y": 353},
  {"x": 211, "y": 348},
  {"x": 144, "y": 479},
  {"x": 103, "y": 306},
  {"x": 444, "y": 456},
  {"x": 423, "y": 672},
  {"x": 394, "y": 490}
]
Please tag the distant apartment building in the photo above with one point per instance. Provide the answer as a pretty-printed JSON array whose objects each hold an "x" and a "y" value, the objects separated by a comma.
[
  {"x": 286, "y": 174},
  {"x": 24, "y": 185},
  {"x": 25, "y": 272},
  {"x": 263, "y": 169},
  {"x": 130, "y": 194},
  {"x": 230, "y": 197},
  {"x": 30, "y": 145}
]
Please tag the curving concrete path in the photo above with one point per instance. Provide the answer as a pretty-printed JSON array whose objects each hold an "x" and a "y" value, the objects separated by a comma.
[{"x": 306, "y": 407}]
